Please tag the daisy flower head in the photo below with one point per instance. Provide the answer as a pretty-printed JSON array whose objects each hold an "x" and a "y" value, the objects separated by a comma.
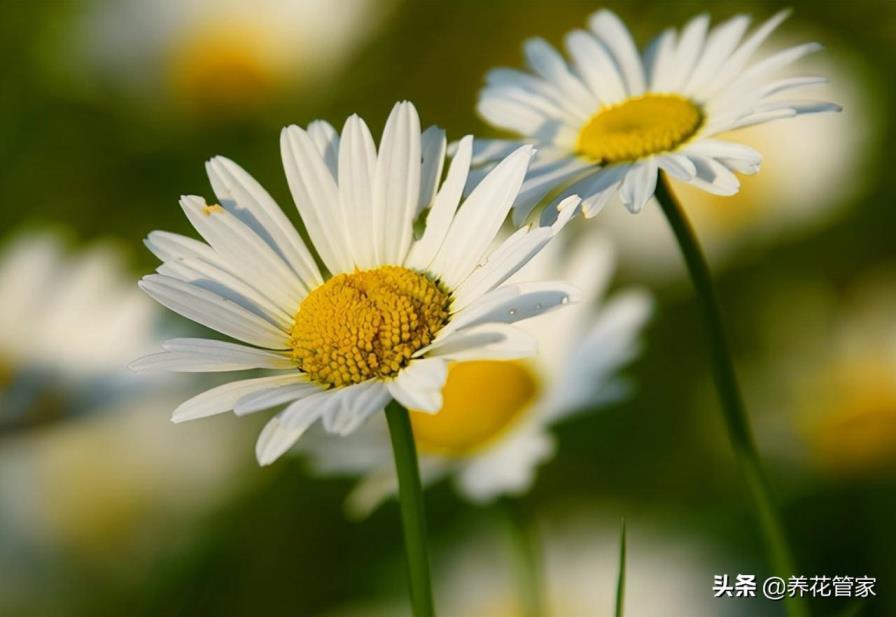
[
  {"x": 493, "y": 429},
  {"x": 609, "y": 119},
  {"x": 390, "y": 309}
]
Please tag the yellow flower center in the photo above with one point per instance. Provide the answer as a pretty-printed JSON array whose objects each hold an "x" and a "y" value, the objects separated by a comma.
[
  {"x": 853, "y": 429},
  {"x": 482, "y": 399},
  {"x": 224, "y": 67},
  {"x": 639, "y": 127},
  {"x": 367, "y": 324}
]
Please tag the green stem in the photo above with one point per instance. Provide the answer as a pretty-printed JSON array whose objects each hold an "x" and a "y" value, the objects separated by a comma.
[
  {"x": 733, "y": 410},
  {"x": 620, "y": 581},
  {"x": 413, "y": 517},
  {"x": 526, "y": 547}
]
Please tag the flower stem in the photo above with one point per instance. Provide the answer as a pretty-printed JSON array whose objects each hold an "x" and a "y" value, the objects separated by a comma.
[
  {"x": 526, "y": 547},
  {"x": 413, "y": 516},
  {"x": 733, "y": 411}
]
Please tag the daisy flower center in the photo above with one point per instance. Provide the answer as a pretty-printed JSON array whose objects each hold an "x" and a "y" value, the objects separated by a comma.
[
  {"x": 482, "y": 400},
  {"x": 223, "y": 67},
  {"x": 367, "y": 324},
  {"x": 857, "y": 430},
  {"x": 639, "y": 127}
]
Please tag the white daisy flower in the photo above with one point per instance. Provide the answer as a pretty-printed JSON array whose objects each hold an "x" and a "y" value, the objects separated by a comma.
[
  {"x": 69, "y": 323},
  {"x": 805, "y": 184},
  {"x": 393, "y": 310},
  {"x": 493, "y": 429},
  {"x": 610, "y": 119},
  {"x": 221, "y": 53}
]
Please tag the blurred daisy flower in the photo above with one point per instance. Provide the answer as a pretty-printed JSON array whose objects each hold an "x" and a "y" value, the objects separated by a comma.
[
  {"x": 838, "y": 375},
  {"x": 804, "y": 182},
  {"x": 493, "y": 428},
  {"x": 581, "y": 567},
  {"x": 69, "y": 324},
  {"x": 609, "y": 120},
  {"x": 393, "y": 310},
  {"x": 223, "y": 55},
  {"x": 60, "y": 496}
]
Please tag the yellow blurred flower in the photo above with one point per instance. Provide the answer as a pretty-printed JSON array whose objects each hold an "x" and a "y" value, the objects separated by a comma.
[
  {"x": 224, "y": 56},
  {"x": 833, "y": 363}
]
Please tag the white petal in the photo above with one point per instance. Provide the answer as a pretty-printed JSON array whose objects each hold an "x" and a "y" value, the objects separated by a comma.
[
  {"x": 713, "y": 177},
  {"x": 595, "y": 66},
  {"x": 741, "y": 57},
  {"x": 208, "y": 355},
  {"x": 356, "y": 404},
  {"x": 419, "y": 385},
  {"x": 487, "y": 150},
  {"x": 214, "y": 311},
  {"x": 659, "y": 61},
  {"x": 314, "y": 191},
  {"x": 245, "y": 253},
  {"x": 676, "y": 165},
  {"x": 511, "y": 255},
  {"x": 543, "y": 179},
  {"x": 283, "y": 430},
  {"x": 396, "y": 185},
  {"x": 479, "y": 218},
  {"x": 512, "y": 303},
  {"x": 639, "y": 185},
  {"x": 484, "y": 342},
  {"x": 274, "y": 395},
  {"x": 357, "y": 166},
  {"x": 432, "y": 150},
  {"x": 326, "y": 140},
  {"x": 720, "y": 44},
  {"x": 513, "y": 115},
  {"x": 169, "y": 246},
  {"x": 717, "y": 148},
  {"x": 221, "y": 281},
  {"x": 689, "y": 47},
  {"x": 544, "y": 60},
  {"x": 240, "y": 193},
  {"x": 613, "y": 33},
  {"x": 508, "y": 468},
  {"x": 223, "y": 398},
  {"x": 440, "y": 216}
]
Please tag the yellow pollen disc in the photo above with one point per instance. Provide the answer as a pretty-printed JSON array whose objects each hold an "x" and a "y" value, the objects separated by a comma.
[
  {"x": 224, "y": 67},
  {"x": 853, "y": 430},
  {"x": 482, "y": 399},
  {"x": 639, "y": 127},
  {"x": 367, "y": 324}
]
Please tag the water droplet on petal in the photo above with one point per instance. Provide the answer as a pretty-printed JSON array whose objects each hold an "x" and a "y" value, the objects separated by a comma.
[
  {"x": 539, "y": 306},
  {"x": 565, "y": 300},
  {"x": 512, "y": 312}
]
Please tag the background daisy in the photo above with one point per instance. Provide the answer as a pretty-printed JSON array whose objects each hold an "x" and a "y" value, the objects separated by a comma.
[
  {"x": 611, "y": 118},
  {"x": 493, "y": 430},
  {"x": 803, "y": 188},
  {"x": 69, "y": 323},
  {"x": 393, "y": 309},
  {"x": 214, "y": 57}
]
